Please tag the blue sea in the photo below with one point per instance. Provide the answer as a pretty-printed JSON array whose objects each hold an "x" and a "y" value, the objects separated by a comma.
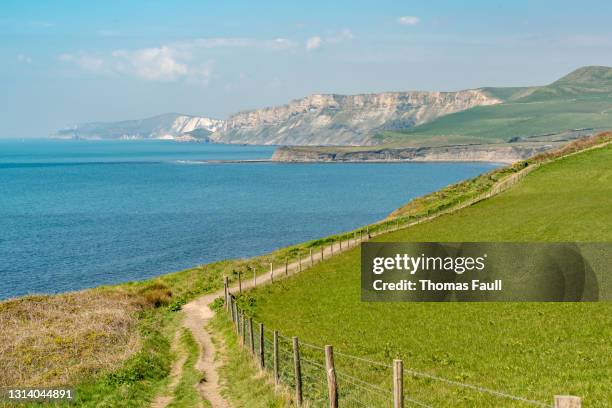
[{"x": 77, "y": 214}]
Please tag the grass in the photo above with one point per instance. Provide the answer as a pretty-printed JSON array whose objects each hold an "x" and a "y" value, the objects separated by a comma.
[
  {"x": 186, "y": 393},
  {"x": 500, "y": 123},
  {"x": 243, "y": 383},
  {"x": 463, "y": 191},
  {"x": 581, "y": 99},
  {"x": 532, "y": 350},
  {"x": 38, "y": 342}
]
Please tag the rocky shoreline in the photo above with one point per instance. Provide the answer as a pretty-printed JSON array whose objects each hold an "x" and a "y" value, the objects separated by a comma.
[{"x": 495, "y": 153}]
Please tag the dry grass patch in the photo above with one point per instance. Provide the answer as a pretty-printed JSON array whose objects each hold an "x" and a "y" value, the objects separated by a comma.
[{"x": 59, "y": 340}]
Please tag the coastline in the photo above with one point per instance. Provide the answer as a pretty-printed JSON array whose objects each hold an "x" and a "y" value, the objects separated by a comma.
[{"x": 151, "y": 305}]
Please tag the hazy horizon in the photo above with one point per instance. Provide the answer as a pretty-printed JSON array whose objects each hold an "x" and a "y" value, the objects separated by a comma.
[{"x": 70, "y": 62}]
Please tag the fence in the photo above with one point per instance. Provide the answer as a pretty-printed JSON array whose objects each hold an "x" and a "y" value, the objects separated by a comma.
[{"x": 310, "y": 371}]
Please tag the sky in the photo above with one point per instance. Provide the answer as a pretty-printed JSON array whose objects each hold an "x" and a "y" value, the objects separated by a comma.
[{"x": 69, "y": 62}]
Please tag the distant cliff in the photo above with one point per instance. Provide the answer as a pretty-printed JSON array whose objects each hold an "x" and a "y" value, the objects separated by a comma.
[
  {"x": 169, "y": 126},
  {"x": 496, "y": 153},
  {"x": 344, "y": 119}
]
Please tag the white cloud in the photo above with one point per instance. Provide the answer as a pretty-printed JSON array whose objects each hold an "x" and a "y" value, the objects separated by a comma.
[
  {"x": 181, "y": 60},
  {"x": 316, "y": 42},
  {"x": 154, "y": 64},
  {"x": 409, "y": 20},
  {"x": 313, "y": 43}
]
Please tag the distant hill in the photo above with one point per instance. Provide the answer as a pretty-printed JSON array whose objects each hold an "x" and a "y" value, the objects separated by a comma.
[
  {"x": 172, "y": 126},
  {"x": 577, "y": 103},
  {"x": 331, "y": 119},
  {"x": 528, "y": 119},
  {"x": 580, "y": 100},
  {"x": 587, "y": 81}
]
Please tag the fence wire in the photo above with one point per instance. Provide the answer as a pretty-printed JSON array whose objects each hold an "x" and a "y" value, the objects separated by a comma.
[{"x": 354, "y": 390}]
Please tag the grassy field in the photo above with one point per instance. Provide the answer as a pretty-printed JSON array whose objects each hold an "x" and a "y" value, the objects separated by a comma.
[
  {"x": 581, "y": 99},
  {"x": 500, "y": 123},
  {"x": 533, "y": 350}
]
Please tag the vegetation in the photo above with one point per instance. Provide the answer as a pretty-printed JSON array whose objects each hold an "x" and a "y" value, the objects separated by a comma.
[
  {"x": 244, "y": 384},
  {"x": 520, "y": 119},
  {"x": 462, "y": 192},
  {"x": 582, "y": 99},
  {"x": 532, "y": 350},
  {"x": 186, "y": 393}
]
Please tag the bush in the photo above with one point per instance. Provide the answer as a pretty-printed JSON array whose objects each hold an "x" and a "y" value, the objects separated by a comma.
[
  {"x": 217, "y": 304},
  {"x": 157, "y": 294}
]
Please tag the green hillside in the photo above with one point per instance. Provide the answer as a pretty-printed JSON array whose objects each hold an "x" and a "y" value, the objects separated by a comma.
[
  {"x": 586, "y": 81},
  {"x": 582, "y": 99},
  {"x": 532, "y": 350}
]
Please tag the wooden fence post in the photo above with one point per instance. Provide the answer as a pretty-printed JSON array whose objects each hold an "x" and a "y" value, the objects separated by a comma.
[
  {"x": 225, "y": 293},
  {"x": 286, "y": 266},
  {"x": 311, "y": 259},
  {"x": 332, "y": 386},
  {"x": 251, "y": 336},
  {"x": 231, "y": 304},
  {"x": 237, "y": 327},
  {"x": 331, "y": 248},
  {"x": 367, "y": 232},
  {"x": 276, "y": 372},
  {"x": 297, "y": 369},
  {"x": 321, "y": 252},
  {"x": 567, "y": 401},
  {"x": 300, "y": 263},
  {"x": 244, "y": 326},
  {"x": 240, "y": 281},
  {"x": 354, "y": 238},
  {"x": 261, "y": 347},
  {"x": 271, "y": 273},
  {"x": 398, "y": 384}
]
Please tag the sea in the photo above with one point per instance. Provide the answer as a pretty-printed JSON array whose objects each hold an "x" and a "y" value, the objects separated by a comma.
[{"x": 77, "y": 214}]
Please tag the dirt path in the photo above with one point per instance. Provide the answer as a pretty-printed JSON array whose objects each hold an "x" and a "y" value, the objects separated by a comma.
[{"x": 198, "y": 315}]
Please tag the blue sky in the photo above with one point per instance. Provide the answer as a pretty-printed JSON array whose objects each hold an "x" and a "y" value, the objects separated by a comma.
[{"x": 66, "y": 62}]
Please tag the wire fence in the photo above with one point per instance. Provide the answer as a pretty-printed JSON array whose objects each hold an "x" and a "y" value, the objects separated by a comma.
[{"x": 303, "y": 370}]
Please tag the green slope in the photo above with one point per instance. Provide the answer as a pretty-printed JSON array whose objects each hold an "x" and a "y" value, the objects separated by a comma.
[
  {"x": 582, "y": 99},
  {"x": 533, "y": 350},
  {"x": 586, "y": 81}
]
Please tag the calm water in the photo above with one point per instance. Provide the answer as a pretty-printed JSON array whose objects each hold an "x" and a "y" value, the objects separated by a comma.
[{"x": 76, "y": 214}]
